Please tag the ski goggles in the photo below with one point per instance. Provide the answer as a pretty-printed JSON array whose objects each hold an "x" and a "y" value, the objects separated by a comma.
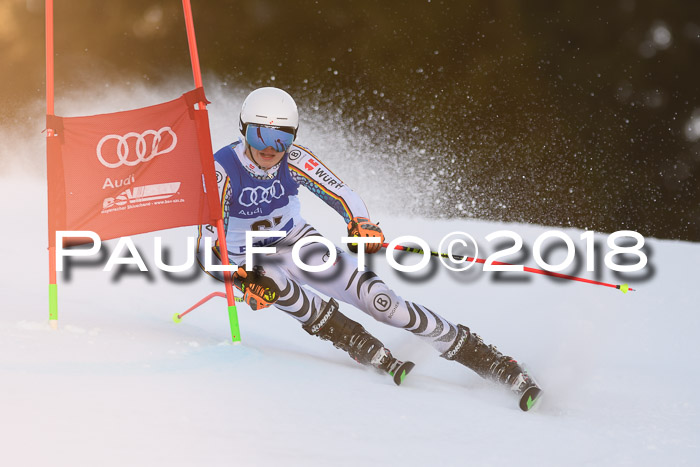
[{"x": 261, "y": 137}]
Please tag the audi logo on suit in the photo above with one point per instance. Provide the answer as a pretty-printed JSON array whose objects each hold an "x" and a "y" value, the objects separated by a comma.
[{"x": 256, "y": 195}]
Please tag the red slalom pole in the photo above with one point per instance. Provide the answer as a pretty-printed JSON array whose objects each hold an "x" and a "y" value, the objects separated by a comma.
[
  {"x": 194, "y": 58},
  {"x": 49, "y": 59},
  {"x": 623, "y": 287},
  {"x": 50, "y": 134}
]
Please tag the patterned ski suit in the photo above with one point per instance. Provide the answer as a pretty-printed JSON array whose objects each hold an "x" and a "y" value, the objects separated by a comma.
[{"x": 254, "y": 199}]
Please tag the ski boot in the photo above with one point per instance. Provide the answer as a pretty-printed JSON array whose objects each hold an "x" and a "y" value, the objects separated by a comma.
[
  {"x": 489, "y": 363},
  {"x": 330, "y": 324}
]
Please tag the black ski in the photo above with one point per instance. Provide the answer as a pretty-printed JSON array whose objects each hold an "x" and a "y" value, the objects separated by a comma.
[
  {"x": 527, "y": 390},
  {"x": 398, "y": 370},
  {"x": 529, "y": 397}
]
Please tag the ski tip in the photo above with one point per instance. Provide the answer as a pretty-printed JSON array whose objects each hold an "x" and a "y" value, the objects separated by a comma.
[
  {"x": 402, "y": 371},
  {"x": 530, "y": 398}
]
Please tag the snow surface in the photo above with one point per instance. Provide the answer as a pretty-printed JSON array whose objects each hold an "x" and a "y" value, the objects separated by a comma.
[{"x": 120, "y": 384}]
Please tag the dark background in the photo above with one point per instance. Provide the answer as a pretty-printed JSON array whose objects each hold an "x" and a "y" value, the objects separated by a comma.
[{"x": 559, "y": 113}]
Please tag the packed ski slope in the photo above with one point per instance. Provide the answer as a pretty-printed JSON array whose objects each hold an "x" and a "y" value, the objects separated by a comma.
[{"x": 121, "y": 384}]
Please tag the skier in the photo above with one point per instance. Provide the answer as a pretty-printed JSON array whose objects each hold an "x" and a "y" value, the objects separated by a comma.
[{"x": 259, "y": 176}]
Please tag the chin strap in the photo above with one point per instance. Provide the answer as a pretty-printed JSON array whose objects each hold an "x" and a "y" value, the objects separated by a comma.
[{"x": 257, "y": 172}]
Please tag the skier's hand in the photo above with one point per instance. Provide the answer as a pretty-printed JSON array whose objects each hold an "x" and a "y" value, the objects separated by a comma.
[
  {"x": 363, "y": 227},
  {"x": 258, "y": 291}
]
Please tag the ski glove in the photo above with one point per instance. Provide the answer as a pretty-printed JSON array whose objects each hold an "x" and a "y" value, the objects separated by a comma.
[
  {"x": 258, "y": 291},
  {"x": 363, "y": 227}
]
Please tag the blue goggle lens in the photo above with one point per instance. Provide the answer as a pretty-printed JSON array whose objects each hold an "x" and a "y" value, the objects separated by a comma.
[{"x": 261, "y": 137}]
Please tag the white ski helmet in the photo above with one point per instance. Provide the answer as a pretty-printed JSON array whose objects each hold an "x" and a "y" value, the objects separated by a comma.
[{"x": 271, "y": 107}]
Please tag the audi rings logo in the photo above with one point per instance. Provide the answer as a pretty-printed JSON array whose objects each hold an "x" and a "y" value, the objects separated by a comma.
[
  {"x": 121, "y": 153},
  {"x": 254, "y": 196}
]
